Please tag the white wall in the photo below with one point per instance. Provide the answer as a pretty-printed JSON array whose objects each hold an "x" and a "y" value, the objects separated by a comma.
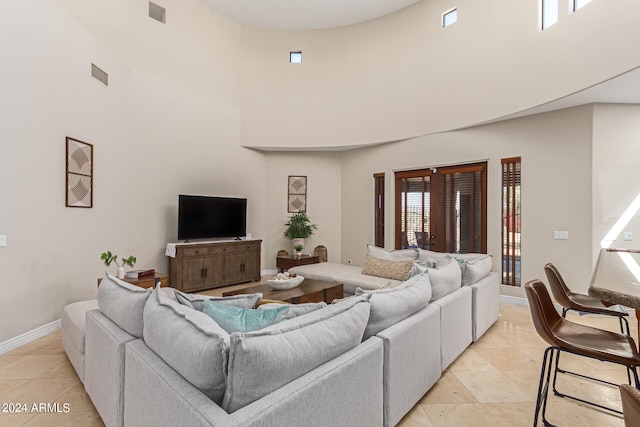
[
  {"x": 324, "y": 187},
  {"x": 169, "y": 123},
  {"x": 616, "y": 172},
  {"x": 555, "y": 148},
  {"x": 403, "y": 75}
]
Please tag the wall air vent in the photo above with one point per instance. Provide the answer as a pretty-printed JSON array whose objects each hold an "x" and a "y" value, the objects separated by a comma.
[
  {"x": 99, "y": 75},
  {"x": 158, "y": 13}
]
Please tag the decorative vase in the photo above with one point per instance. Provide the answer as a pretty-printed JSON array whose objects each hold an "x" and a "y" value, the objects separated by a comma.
[
  {"x": 297, "y": 242},
  {"x": 120, "y": 272}
]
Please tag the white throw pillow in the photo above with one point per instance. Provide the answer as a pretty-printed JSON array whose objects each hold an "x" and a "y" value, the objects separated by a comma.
[
  {"x": 430, "y": 257},
  {"x": 391, "y": 305},
  {"x": 263, "y": 361},
  {"x": 444, "y": 279},
  {"x": 189, "y": 341},
  {"x": 476, "y": 268},
  {"x": 123, "y": 303}
]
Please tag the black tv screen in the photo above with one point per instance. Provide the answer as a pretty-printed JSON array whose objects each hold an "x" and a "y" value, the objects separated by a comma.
[{"x": 204, "y": 217}]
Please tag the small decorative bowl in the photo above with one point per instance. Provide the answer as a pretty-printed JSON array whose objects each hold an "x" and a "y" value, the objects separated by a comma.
[{"x": 280, "y": 285}]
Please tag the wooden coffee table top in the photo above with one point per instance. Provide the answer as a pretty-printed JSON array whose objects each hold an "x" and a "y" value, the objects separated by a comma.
[{"x": 308, "y": 291}]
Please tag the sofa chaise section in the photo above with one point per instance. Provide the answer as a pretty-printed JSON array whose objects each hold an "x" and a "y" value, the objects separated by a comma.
[
  {"x": 350, "y": 276},
  {"x": 73, "y": 324}
]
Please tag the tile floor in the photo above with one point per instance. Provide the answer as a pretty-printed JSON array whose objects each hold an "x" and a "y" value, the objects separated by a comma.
[{"x": 493, "y": 383}]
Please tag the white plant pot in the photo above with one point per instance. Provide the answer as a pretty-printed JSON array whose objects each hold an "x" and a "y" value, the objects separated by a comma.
[
  {"x": 296, "y": 242},
  {"x": 120, "y": 272}
]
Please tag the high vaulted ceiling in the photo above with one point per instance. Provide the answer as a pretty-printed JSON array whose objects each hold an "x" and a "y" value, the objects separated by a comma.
[{"x": 305, "y": 14}]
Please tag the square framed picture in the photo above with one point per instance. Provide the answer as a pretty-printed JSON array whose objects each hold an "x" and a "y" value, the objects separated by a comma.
[
  {"x": 79, "y": 188},
  {"x": 297, "y": 194}
]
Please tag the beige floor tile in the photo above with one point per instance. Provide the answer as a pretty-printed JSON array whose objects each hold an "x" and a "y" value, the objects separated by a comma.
[
  {"x": 512, "y": 414},
  {"x": 14, "y": 420},
  {"x": 41, "y": 391},
  {"x": 34, "y": 346},
  {"x": 62, "y": 370},
  {"x": 448, "y": 389},
  {"x": 527, "y": 380},
  {"x": 8, "y": 385},
  {"x": 508, "y": 359},
  {"x": 471, "y": 360},
  {"x": 568, "y": 413},
  {"x": 29, "y": 366},
  {"x": 492, "y": 386},
  {"x": 70, "y": 419},
  {"x": 417, "y": 417},
  {"x": 77, "y": 400},
  {"x": 466, "y": 414}
]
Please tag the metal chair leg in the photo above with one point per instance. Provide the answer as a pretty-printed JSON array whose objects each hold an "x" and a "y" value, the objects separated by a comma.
[
  {"x": 557, "y": 370},
  {"x": 543, "y": 387}
]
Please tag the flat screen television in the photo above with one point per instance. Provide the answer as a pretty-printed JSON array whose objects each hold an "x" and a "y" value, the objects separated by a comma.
[{"x": 206, "y": 217}]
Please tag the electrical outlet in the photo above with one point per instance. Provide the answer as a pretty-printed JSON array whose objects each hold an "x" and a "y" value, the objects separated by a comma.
[
  {"x": 628, "y": 236},
  {"x": 3, "y": 241},
  {"x": 561, "y": 235}
]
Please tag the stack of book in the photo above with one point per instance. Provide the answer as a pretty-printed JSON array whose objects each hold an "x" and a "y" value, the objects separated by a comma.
[{"x": 140, "y": 273}]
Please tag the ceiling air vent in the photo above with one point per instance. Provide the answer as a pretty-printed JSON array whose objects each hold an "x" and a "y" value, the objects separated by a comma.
[{"x": 99, "y": 75}]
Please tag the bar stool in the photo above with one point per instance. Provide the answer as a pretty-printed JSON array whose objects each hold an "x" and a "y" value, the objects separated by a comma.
[
  {"x": 565, "y": 336},
  {"x": 570, "y": 300}
]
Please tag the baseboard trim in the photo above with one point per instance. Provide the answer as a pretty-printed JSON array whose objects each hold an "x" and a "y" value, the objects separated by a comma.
[
  {"x": 27, "y": 337},
  {"x": 508, "y": 299}
]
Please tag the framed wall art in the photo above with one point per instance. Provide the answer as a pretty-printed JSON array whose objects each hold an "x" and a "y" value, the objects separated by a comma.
[
  {"x": 79, "y": 188},
  {"x": 297, "y": 194}
]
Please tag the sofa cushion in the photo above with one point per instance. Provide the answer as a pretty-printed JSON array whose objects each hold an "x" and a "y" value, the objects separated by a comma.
[
  {"x": 123, "y": 303},
  {"x": 189, "y": 341},
  {"x": 263, "y": 361},
  {"x": 475, "y": 268},
  {"x": 397, "y": 270},
  {"x": 445, "y": 279},
  {"x": 391, "y": 305},
  {"x": 235, "y": 319},
  {"x": 196, "y": 301},
  {"x": 391, "y": 255},
  {"x": 430, "y": 257}
]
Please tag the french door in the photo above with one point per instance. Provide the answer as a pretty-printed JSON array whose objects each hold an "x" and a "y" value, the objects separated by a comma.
[{"x": 443, "y": 209}]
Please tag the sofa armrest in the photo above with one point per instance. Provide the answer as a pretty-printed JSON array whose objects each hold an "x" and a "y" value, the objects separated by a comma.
[
  {"x": 486, "y": 304},
  {"x": 345, "y": 391},
  {"x": 411, "y": 361},
  {"x": 455, "y": 324},
  {"x": 104, "y": 366}
]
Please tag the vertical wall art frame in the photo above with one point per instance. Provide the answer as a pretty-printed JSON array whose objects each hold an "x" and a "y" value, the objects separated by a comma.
[
  {"x": 79, "y": 188},
  {"x": 297, "y": 194}
]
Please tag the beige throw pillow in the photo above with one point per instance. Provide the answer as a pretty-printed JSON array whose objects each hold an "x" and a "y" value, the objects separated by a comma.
[{"x": 397, "y": 270}]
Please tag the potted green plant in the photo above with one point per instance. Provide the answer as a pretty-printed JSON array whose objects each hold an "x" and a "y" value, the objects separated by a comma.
[
  {"x": 298, "y": 228},
  {"x": 108, "y": 258}
]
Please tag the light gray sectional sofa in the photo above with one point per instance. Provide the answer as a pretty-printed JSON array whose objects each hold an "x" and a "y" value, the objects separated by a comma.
[
  {"x": 476, "y": 274},
  {"x": 363, "y": 361}
]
